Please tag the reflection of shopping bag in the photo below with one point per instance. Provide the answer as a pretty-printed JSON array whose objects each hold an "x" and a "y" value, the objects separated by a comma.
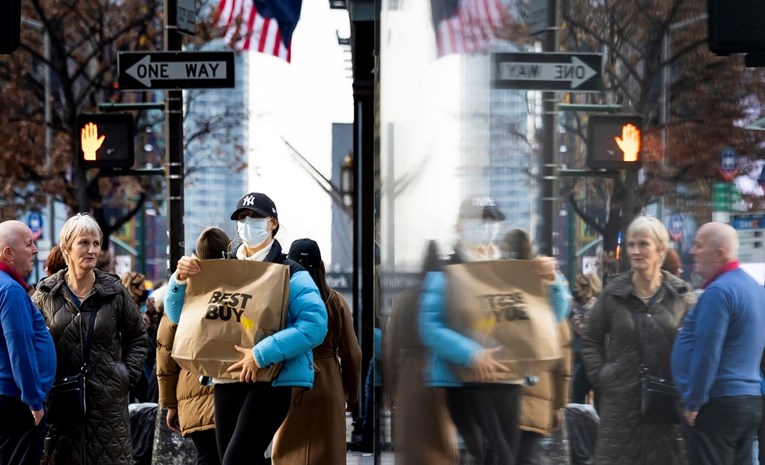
[
  {"x": 230, "y": 302},
  {"x": 502, "y": 303}
]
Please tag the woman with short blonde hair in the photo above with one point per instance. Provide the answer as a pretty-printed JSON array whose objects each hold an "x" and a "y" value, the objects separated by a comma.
[
  {"x": 69, "y": 301},
  {"x": 633, "y": 325}
]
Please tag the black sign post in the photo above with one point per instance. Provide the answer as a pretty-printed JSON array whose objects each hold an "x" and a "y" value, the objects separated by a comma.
[
  {"x": 573, "y": 72},
  {"x": 175, "y": 70}
]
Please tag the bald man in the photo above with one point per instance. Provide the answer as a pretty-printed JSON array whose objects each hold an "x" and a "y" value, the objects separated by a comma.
[
  {"x": 717, "y": 353},
  {"x": 27, "y": 354}
]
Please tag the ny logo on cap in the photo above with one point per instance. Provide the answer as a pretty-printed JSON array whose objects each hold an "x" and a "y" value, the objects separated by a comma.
[
  {"x": 248, "y": 201},
  {"x": 483, "y": 201}
]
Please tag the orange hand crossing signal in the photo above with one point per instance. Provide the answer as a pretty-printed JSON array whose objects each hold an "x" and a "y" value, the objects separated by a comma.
[
  {"x": 106, "y": 140},
  {"x": 614, "y": 142},
  {"x": 629, "y": 143},
  {"x": 90, "y": 142}
]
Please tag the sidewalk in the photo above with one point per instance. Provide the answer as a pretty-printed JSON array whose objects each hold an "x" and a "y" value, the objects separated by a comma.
[
  {"x": 367, "y": 458},
  {"x": 362, "y": 458}
]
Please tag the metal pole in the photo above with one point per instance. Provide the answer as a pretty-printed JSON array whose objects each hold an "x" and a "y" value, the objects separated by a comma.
[
  {"x": 572, "y": 258},
  {"x": 628, "y": 212},
  {"x": 49, "y": 137},
  {"x": 664, "y": 96},
  {"x": 38, "y": 25},
  {"x": 549, "y": 194},
  {"x": 664, "y": 111},
  {"x": 174, "y": 146},
  {"x": 142, "y": 241},
  {"x": 666, "y": 48}
]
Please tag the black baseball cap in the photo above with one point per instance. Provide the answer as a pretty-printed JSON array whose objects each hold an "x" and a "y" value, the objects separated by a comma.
[
  {"x": 480, "y": 207},
  {"x": 306, "y": 252},
  {"x": 256, "y": 202}
]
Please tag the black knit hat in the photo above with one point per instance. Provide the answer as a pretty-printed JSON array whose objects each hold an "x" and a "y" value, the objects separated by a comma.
[
  {"x": 256, "y": 202},
  {"x": 306, "y": 252}
]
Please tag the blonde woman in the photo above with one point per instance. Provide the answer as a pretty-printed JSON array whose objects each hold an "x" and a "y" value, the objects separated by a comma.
[
  {"x": 68, "y": 300},
  {"x": 655, "y": 300}
]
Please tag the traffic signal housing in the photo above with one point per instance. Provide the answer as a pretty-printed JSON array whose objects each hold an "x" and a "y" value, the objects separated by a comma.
[
  {"x": 614, "y": 142},
  {"x": 10, "y": 25},
  {"x": 736, "y": 26},
  {"x": 105, "y": 140}
]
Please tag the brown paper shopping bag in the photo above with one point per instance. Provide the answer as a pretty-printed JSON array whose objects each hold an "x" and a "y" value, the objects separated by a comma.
[
  {"x": 230, "y": 302},
  {"x": 502, "y": 303}
]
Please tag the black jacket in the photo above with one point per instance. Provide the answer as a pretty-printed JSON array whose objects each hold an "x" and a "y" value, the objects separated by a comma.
[
  {"x": 609, "y": 353},
  {"x": 117, "y": 356}
]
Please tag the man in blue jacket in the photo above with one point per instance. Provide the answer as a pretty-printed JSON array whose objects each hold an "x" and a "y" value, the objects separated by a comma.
[
  {"x": 717, "y": 353},
  {"x": 27, "y": 354},
  {"x": 248, "y": 413}
]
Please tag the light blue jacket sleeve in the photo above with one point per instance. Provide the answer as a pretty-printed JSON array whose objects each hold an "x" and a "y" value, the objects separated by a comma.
[
  {"x": 442, "y": 340},
  {"x": 306, "y": 324},
  {"x": 176, "y": 294},
  {"x": 560, "y": 297}
]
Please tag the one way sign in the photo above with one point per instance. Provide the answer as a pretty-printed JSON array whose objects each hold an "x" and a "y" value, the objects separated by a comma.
[
  {"x": 575, "y": 72},
  {"x": 175, "y": 70}
]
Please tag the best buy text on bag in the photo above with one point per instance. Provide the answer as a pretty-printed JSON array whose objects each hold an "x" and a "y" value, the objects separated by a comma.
[
  {"x": 502, "y": 303},
  {"x": 230, "y": 302}
]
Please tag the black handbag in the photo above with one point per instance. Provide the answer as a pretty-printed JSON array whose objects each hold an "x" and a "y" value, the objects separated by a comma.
[
  {"x": 66, "y": 403},
  {"x": 659, "y": 400}
]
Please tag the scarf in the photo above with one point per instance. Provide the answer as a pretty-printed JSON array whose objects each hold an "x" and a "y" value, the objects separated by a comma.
[
  {"x": 258, "y": 256},
  {"x": 13, "y": 274},
  {"x": 730, "y": 266}
]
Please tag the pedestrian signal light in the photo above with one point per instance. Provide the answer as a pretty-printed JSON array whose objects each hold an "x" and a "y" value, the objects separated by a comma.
[
  {"x": 736, "y": 27},
  {"x": 614, "y": 142},
  {"x": 105, "y": 140},
  {"x": 10, "y": 25}
]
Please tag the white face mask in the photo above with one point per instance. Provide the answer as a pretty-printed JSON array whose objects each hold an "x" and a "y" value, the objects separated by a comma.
[
  {"x": 479, "y": 232},
  {"x": 471, "y": 233},
  {"x": 253, "y": 231}
]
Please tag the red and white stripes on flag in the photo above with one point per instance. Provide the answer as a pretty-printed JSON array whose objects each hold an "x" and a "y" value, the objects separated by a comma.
[
  {"x": 472, "y": 29},
  {"x": 245, "y": 29}
]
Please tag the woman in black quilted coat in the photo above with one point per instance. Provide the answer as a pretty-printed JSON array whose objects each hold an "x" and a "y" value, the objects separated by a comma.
[
  {"x": 657, "y": 301},
  {"x": 69, "y": 299}
]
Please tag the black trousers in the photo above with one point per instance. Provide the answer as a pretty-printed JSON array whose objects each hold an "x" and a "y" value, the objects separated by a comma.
[
  {"x": 246, "y": 417},
  {"x": 21, "y": 442},
  {"x": 487, "y": 414},
  {"x": 206, "y": 445},
  {"x": 528, "y": 448},
  {"x": 724, "y": 431}
]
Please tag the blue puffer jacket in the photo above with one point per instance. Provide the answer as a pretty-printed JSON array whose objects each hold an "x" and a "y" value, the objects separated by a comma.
[
  {"x": 306, "y": 324},
  {"x": 452, "y": 347}
]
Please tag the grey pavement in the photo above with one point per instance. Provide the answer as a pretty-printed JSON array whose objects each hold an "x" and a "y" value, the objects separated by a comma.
[{"x": 359, "y": 458}]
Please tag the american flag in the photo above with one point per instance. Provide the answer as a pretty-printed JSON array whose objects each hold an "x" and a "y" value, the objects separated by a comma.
[
  {"x": 262, "y": 25},
  {"x": 466, "y": 26}
]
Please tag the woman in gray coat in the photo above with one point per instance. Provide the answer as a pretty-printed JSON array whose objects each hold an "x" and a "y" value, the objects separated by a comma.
[{"x": 657, "y": 301}]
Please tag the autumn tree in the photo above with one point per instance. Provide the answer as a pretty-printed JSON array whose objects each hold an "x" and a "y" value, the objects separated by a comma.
[
  {"x": 85, "y": 39},
  {"x": 657, "y": 64}
]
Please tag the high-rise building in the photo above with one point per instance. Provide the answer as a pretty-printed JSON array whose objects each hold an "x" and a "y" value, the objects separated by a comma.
[
  {"x": 215, "y": 154},
  {"x": 498, "y": 140}
]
